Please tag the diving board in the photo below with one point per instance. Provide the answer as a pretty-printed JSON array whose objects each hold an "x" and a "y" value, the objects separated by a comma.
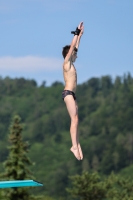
[{"x": 19, "y": 183}]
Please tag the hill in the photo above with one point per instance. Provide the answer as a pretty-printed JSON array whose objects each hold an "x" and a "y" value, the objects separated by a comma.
[{"x": 105, "y": 126}]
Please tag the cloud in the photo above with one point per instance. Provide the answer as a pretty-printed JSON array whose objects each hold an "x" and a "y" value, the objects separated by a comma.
[{"x": 29, "y": 64}]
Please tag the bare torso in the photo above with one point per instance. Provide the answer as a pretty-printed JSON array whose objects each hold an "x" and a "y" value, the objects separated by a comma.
[{"x": 70, "y": 77}]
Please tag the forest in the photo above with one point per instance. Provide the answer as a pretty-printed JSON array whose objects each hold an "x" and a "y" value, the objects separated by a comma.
[{"x": 105, "y": 129}]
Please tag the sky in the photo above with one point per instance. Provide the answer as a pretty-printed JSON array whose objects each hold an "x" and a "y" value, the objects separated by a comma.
[{"x": 33, "y": 33}]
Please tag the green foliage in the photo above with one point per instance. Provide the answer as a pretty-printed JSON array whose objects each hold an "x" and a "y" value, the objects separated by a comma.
[
  {"x": 120, "y": 188},
  {"x": 90, "y": 186},
  {"x": 105, "y": 128},
  {"x": 127, "y": 172},
  {"x": 16, "y": 165},
  {"x": 17, "y": 161}
]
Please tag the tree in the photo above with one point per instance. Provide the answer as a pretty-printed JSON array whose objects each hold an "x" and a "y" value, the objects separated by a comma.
[
  {"x": 119, "y": 188},
  {"x": 16, "y": 165},
  {"x": 88, "y": 187}
]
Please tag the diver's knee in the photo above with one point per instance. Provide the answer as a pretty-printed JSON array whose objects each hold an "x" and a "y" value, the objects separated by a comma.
[{"x": 74, "y": 120}]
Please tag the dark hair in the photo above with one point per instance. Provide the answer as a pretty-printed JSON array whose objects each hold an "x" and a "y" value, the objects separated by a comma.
[{"x": 65, "y": 50}]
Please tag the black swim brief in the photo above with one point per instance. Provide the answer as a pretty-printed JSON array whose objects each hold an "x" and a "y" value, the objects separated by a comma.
[{"x": 68, "y": 92}]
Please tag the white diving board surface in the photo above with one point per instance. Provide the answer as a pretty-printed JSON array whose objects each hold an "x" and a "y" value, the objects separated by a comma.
[{"x": 19, "y": 183}]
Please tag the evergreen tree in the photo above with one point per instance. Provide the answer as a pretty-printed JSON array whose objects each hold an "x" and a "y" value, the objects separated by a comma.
[
  {"x": 91, "y": 186},
  {"x": 88, "y": 187},
  {"x": 16, "y": 165},
  {"x": 119, "y": 188}
]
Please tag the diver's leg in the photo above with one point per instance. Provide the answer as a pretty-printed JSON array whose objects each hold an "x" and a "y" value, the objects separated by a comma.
[
  {"x": 72, "y": 110},
  {"x": 79, "y": 147}
]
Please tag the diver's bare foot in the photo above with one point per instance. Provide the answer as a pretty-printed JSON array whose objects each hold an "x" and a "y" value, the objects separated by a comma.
[
  {"x": 75, "y": 151},
  {"x": 80, "y": 151}
]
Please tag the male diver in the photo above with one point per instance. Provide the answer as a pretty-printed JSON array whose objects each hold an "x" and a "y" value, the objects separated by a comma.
[{"x": 70, "y": 77}]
